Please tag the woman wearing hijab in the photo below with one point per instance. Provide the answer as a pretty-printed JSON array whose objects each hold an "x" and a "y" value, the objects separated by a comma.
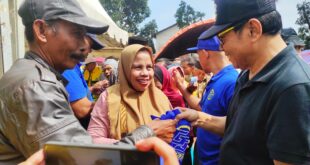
[
  {"x": 125, "y": 106},
  {"x": 163, "y": 82}
]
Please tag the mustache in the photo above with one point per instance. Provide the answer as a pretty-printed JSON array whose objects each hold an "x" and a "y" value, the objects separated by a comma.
[{"x": 78, "y": 56}]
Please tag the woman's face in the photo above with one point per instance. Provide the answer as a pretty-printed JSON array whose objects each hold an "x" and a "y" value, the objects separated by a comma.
[{"x": 142, "y": 71}]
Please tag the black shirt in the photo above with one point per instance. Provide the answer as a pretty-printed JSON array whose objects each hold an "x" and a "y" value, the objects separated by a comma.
[{"x": 269, "y": 115}]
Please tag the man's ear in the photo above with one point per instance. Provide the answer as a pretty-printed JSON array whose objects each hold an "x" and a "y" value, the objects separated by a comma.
[
  {"x": 255, "y": 29},
  {"x": 40, "y": 30},
  {"x": 205, "y": 53}
]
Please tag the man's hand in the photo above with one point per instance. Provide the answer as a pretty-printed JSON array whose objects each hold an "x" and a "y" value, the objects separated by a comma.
[
  {"x": 188, "y": 114},
  {"x": 164, "y": 129},
  {"x": 161, "y": 148},
  {"x": 214, "y": 124}
]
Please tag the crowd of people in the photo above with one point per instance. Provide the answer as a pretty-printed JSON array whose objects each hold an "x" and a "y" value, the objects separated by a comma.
[{"x": 246, "y": 93}]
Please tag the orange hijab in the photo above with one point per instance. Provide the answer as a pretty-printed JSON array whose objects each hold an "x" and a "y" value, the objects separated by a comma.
[{"x": 128, "y": 108}]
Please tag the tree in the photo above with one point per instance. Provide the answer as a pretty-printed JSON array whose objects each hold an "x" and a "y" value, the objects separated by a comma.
[
  {"x": 127, "y": 14},
  {"x": 148, "y": 31},
  {"x": 186, "y": 15},
  {"x": 304, "y": 22}
]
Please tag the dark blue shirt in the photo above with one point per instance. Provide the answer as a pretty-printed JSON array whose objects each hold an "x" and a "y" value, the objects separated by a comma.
[
  {"x": 215, "y": 101},
  {"x": 76, "y": 87}
]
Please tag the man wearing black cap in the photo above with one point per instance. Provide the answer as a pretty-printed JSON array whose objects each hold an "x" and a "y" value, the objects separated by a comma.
[
  {"x": 268, "y": 117},
  {"x": 290, "y": 36},
  {"x": 34, "y": 107}
]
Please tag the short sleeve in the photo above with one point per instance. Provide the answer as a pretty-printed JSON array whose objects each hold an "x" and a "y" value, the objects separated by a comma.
[
  {"x": 75, "y": 86},
  {"x": 288, "y": 126},
  {"x": 227, "y": 94}
]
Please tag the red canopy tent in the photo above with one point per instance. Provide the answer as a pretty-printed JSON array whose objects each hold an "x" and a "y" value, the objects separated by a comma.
[{"x": 183, "y": 39}]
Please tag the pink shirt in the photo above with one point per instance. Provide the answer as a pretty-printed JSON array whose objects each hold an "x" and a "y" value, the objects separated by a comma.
[{"x": 99, "y": 125}]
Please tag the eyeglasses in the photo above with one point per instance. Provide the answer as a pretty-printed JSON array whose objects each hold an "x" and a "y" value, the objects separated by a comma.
[
  {"x": 223, "y": 33},
  {"x": 220, "y": 35}
]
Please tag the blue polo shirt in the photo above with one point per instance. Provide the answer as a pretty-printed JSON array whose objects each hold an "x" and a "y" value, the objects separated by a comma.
[
  {"x": 77, "y": 87},
  {"x": 215, "y": 101}
]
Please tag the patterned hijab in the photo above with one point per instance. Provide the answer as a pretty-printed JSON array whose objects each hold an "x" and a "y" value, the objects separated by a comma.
[{"x": 128, "y": 108}]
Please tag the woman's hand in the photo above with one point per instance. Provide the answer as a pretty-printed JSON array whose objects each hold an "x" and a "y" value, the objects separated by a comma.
[{"x": 164, "y": 129}]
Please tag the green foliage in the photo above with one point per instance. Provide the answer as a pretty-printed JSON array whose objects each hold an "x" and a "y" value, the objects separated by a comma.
[
  {"x": 186, "y": 15},
  {"x": 127, "y": 14},
  {"x": 148, "y": 31},
  {"x": 304, "y": 22}
]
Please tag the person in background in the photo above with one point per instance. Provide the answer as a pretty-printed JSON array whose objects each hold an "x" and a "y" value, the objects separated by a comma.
[
  {"x": 173, "y": 81},
  {"x": 268, "y": 116},
  {"x": 138, "y": 40},
  {"x": 80, "y": 97},
  {"x": 202, "y": 80},
  {"x": 130, "y": 103},
  {"x": 290, "y": 36},
  {"x": 110, "y": 71},
  {"x": 165, "y": 62},
  {"x": 216, "y": 96},
  {"x": 162, "y": 81},
  {"x": 188, "y": 65},
  {"x": 193, "y": 76},
  {"x": 177, "y": 61},
  {"x": 92, "y": 74}
]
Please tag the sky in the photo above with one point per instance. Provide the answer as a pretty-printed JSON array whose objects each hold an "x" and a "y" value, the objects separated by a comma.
[{"x": 163, "y": 11}]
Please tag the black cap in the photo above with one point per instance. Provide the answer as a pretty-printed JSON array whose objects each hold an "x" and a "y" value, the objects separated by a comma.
[
  {"x": 137, "y": 40},
  {"x": 97, "y": 45},
  {"x": 289, "y": 35},
  {"x": 230, "y": 12},
  {"x": 68, "y": 10},
  {"x": 295, "y": 40},
  {"x": 287, "y": 32}
]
